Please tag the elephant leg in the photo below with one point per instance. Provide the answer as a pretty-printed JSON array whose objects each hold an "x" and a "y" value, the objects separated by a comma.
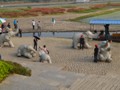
[
  {"x": 10, "y": 43},
  {"x": 28, "y": 55},
  {"x": 102, "y": 58},
  {"x": 49, "y": 60},
  {"x": 109, "y": 59},
  {"x": 87, "y": 45},
  {"x": 33, "y": 54},
  {"x": 74, "y": 43},
  {"x": 19, "y": 53}
]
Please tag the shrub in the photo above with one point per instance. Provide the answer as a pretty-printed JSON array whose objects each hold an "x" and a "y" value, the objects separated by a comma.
[
  {"x": 8, "y": 67},
  {"x": 98, "y": 6},
  {"x": 47, "y": 10},
  {"x": 76, "y": 9}
]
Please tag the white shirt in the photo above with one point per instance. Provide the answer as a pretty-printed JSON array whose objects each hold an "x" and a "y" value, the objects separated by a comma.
[{"x": 33, "y": 23}]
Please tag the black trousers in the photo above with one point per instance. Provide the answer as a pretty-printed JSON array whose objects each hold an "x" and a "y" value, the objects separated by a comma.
[
  {"x": 81, "y": 46},
  {"x": 35, "y": 47},
  {"x": 95, "y": 58}
]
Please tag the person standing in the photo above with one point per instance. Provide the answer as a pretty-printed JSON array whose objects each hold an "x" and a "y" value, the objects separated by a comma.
[
  {"x": 0, "y": 30},
  {"x": 15, "y": 23},
  {"x": 107, "y": 34},
  {"x": 3, "y": 27},
  {"x": 53, "y": 21},
  {"x": 33, "y": 26},
  {"x": 82, "y": 42},
  {"x": 35, "y": 43},
  {"x": 8, "y": 25},
  {"x": 20, "y": 32},
  {"x": 96, "y": 53},
  {"x": 39, "y": 28}
]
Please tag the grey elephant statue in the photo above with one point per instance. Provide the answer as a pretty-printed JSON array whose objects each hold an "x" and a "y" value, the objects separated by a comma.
[
  {"x": 26, "y": 51},
  {"x": 105, "y": 51},
  {"x": 6, "y": 37},
  {"x": 44, "y": 57},
  {"x": 87, "y": 35}
]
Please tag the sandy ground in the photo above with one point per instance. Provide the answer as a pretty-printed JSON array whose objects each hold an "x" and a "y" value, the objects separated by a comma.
[{"x": 79, "y": 61}]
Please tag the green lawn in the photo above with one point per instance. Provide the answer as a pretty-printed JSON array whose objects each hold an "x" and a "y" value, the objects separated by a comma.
[
  {"x": 114, "y": 15},
  {"x": 8, "y": 67}
]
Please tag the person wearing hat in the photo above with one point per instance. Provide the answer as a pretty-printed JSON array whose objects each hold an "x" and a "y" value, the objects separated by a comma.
[
  {"x": 96, "y": 53},
  {"x": 82, "y": 42},
  {"x": 35, "y": 41}
]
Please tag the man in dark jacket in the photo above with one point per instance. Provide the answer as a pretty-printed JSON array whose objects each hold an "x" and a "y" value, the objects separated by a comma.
[
  {"x": 96, "y": 53},
  {"x": 82, "y": 42}
]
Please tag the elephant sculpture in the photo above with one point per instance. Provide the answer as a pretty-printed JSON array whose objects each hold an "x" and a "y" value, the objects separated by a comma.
[
  {"x": 87, "y": 35},
  {"x": 26, "y": 51},
  {"x": 44, "y": 57},
  {"x": 6, "y": 37},
  {"x": 105, "y": 51}
]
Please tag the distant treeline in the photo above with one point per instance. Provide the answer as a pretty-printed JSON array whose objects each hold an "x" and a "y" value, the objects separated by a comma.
[{"x": 34, "y": 0}]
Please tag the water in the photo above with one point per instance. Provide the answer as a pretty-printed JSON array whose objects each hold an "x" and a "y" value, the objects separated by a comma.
[
  {"x": 55, "y": 34},
  {"x": 51, "y": 34}
]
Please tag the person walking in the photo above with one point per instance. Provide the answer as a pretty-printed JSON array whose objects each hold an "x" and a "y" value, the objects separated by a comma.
[
  {"x": 39, "y": 28},
  {"x": 96, "y": 53},
  {"x": 82, "y": 42},
  {"x": 33, "y": 26}
]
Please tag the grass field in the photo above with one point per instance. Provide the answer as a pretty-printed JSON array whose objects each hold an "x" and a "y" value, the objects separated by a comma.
[{"x": 114, "y": 15}]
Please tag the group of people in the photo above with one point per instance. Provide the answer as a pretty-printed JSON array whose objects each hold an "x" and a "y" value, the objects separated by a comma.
[
  {"x": 3, "y": 26},
  {"x": 8, "y": 25},
  {"x": 38, "y": 25},
  {"x": 35, "y": 46},
  {"x": 44, "y": 50},
  {"x": 98, "y": 50}
]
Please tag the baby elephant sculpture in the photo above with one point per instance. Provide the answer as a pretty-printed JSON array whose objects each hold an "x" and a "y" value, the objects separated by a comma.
[
  {"x": 87, "y": 35},
  {"x": 26, "y": 51},
  {"x": 6, "y": 37},
  {"x": 44, "y": 57},
  {"x": 105, "y": 51}
]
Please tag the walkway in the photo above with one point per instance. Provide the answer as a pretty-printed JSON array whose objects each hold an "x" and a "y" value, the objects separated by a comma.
[{"x": 50, "y": 77}]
